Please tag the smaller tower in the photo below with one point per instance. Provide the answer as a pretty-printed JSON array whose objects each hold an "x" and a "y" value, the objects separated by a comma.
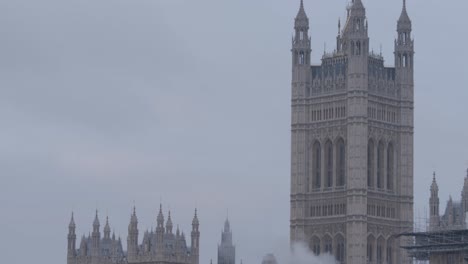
[
  {"x": 195, "y": 246},
  {"x": 96, "y": 236},
  {"x": 169, "y": 223},
  {"x": 226, "y": 250},
  {"x": 160, "y": 230},
  {"x": 132, "y": 239},
  {"x": 301, "y": 53},
  {"x": 434, "y": 205},
  {"x": 464, "y": 196},
  {"x": 404, "y": 55},
  {"x": 107, "y": 229},
  {"x": 71, "y": 238},
  {"x": 451, "y": 217}
]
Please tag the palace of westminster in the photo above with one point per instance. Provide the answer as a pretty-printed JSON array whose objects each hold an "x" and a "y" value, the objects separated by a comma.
[{"x": 352, "y": 123}]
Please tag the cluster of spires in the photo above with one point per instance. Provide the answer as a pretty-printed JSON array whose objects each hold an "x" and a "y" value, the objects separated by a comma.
[
  {"x": 95, "y": 236},
  {"x": 356, "y": 9}
]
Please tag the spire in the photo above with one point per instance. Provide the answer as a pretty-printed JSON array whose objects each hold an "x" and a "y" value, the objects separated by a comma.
[
  {"x": 434, "y": 186},
  {"x": 301, "y": 21},
  {"x": 96, "y": 220},
  {"x": 107, "y": 229},
  {"x": 169, "y": 223},
  {"x": 227, "y": 226},
  {"x": 404, "y": 22},
  {"x": 133, "y": 217},
  {"x": 195, "y": 222},
  {"x": 72, "y": 222},
  {"x": 339, "y": 26},
  {"x": 160, "y": 219}
]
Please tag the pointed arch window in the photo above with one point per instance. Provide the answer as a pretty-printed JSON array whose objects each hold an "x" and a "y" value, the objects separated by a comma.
[
  {"x": 301, "y": 58},
  {"x": 389, "y": 258},
  {"x": 380, "y": 164},
  {"x": 329, "y": 164},
  {"x": 370, "y": 163},
  {"x": 315, "y": 245},
  {"x": 370, "y": 249},
  {"x": 327, "y": 244},
  {"x": 316, "y": 165},
  {"x": 340, "y": 163},
  {"x": 340, "y": 248},
  {"x": 380, "y": 248},
  {"x": 390, "y": 160}
]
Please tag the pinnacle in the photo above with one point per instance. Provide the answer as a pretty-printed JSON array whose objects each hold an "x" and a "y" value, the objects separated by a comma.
[
  {"x": 72, "y": 221},
  {"x": 96, "y": 219},
  {"x": 404, "y": 18},
  {"x": 301, "y": 14}
]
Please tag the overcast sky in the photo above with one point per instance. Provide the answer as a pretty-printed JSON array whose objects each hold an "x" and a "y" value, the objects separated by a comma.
[{"x": 106, "y": 102}]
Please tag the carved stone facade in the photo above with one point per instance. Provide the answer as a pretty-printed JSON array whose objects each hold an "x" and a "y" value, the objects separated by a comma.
[
  {"x": 352, "y": 143},
  {"x": 161, "y": 246},
  {"x": 454, "y": 216}
]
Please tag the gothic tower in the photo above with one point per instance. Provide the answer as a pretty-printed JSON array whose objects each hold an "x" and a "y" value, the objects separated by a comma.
[
  {"x": 434, "y": 205},
  {"x": 195, "y": 246},
  {"x": 464, "y": 198},
  {"x": 226, "y": 250},
  {"x": 71, "y": 238},
  {"x": 96, "y": 237},
  {"x": 132, "y": 239},
  {"x": 352, "y": 143}
]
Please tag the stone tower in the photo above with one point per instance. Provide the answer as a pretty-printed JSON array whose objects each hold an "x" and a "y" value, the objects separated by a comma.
[
  {"x": 434, "y": 205},
  {"x": 195, "y": 246},
  {"x": 226, "y": 250},
  {"x": 352, "y": 143},
  {"x": 71, "y": 253}
]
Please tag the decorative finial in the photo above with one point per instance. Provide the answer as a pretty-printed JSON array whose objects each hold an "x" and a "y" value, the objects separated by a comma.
[
  {"x": 339, "y": 26},
  {"x": 404, "y": 4}
]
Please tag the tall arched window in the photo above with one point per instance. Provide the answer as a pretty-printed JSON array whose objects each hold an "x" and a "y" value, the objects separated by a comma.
[
  {"x": 370, "y": 249},
  {"x": 316, "y": 165},
  {"x": 390, "y": 160},
  {"x": 380, "y": 164},
  {"x": 329, "y": 164},
  {"x": 301, "y": 58},
  {"x": 370, "y": 163},
  {"x": 315, "y": 245},
  {"x": 340, "y": 163},
  {"x": 340, "y": 248},
  {"x": 380, "y": 248},
  {"x": 352, "y": 48},
  {"x": 327, "y": 244},
  {"x": 390, "y": 251}
]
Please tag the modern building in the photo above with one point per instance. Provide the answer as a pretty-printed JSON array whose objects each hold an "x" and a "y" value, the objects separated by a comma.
[
  {"x": 226, "y": 250},
  {"x": 161, "y": 246},
  {"x": 352, "y": 143}
]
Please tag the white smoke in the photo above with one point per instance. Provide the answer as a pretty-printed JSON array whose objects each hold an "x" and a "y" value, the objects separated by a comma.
[{"x": 300, "y": 253}]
